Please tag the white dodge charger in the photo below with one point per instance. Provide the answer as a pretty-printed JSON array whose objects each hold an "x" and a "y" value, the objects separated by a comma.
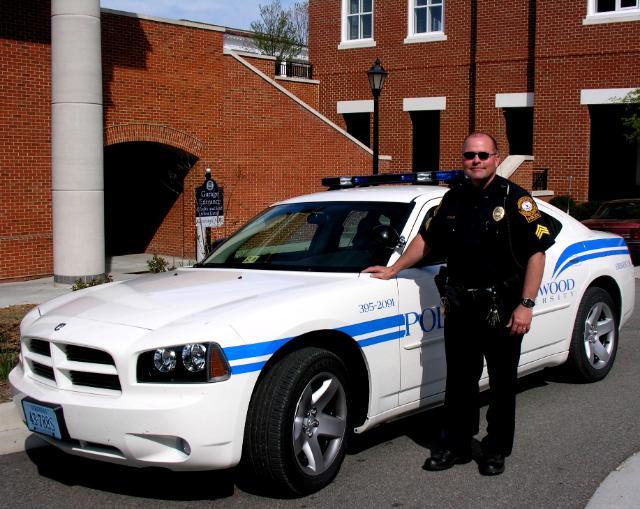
[{"x": 277, "y": 347}]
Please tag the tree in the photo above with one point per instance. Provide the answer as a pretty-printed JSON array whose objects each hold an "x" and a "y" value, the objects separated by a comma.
[
  {"x": 631, "y": 120},
  {"x": 279, "y": 32},
  {"x": 300, "y": 18}
]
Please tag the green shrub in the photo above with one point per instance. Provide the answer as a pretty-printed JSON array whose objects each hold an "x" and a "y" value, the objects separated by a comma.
[
  {"x": 580, "y": 212},
  {"x": 585, "y": 210},
  {"x": 7, "y": 361},
  {"x": 158, "y": 264},
  {"x": 80, "y": 284},
  {"x": 563, "y": 202}
]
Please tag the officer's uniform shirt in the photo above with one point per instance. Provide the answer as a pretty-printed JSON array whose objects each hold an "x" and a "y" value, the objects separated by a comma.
[{"x": 471, "y": 229}]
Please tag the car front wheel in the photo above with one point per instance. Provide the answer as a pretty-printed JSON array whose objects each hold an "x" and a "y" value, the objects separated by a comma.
[
  {"x": 595, "y": 336},
  {"x": 296, "y": 430}
]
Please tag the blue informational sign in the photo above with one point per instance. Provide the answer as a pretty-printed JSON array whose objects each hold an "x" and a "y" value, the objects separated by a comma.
[{"x": 210, "y": 204}]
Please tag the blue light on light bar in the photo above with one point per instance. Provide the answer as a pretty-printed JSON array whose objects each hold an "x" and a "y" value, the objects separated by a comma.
[{"x": 424, "y": 178}]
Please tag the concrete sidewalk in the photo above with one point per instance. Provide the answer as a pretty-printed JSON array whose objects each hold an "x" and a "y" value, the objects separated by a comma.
[{"x": 620, "y": 490}]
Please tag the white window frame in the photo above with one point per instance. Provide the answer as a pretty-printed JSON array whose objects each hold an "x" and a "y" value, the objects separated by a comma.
[
  {"x": 429, "y": 36},
  {"x": 619, "y": 14},
  {"x": 361, "y": 42}
]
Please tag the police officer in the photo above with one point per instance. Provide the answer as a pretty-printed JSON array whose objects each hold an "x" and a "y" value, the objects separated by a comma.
[{"x": 494, "y": 239}]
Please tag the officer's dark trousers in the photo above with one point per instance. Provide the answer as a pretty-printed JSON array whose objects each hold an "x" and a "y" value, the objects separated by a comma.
[{"x": 467, "y": 341}]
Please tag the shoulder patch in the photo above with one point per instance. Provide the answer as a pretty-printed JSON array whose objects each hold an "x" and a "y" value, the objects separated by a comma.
[
  {"x": 528, "y": 208},
  {"x": 428, "y": 220}
]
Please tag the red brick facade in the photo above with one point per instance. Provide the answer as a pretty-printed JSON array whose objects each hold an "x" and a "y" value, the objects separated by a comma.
[
  {"x": 492, "y": 47},
  {"x": 164, "y": 83}
]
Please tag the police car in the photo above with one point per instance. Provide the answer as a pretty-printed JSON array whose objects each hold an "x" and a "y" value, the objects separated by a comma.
[{"x": 276, "y": 347}]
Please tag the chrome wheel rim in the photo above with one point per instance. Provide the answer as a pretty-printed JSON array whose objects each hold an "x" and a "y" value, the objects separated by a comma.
[
  {"x": 319, "y": 425},
  {"x": 599, "y": 335}
]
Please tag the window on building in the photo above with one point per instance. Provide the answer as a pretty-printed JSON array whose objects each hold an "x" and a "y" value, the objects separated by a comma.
[
  {"x": 519, "y": 124},
  {"x": 426, "y": 21},
  {"x": 426, "y": 140},
  {"x": 359, "y": 19},
  {"x": 358, "y": 126},
  {"x": 615, "y": 5},
  {"x": 427, "y": 16}
]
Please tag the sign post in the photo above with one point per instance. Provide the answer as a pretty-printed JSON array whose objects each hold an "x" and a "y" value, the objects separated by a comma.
[{"x": 209, "y": 212}]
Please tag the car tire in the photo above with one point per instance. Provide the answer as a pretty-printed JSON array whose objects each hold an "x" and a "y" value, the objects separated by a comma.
[
  {"x": 594, "y": 342},
  {"x": 296, "y": 430}
]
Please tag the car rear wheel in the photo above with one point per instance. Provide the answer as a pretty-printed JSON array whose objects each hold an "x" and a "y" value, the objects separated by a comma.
[
  {"x": 296, "y": 430},
  {"x": 595, "y": 336}
]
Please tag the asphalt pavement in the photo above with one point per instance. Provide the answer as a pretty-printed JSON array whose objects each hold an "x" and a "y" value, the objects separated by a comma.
[{"x": 619, "y": 490}]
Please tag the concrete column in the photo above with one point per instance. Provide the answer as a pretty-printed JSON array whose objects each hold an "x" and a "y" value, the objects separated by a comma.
[{"x": 77, "y": 141}]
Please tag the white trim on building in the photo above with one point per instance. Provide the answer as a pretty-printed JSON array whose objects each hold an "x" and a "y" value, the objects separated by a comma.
[
  {"x": 517, "y": 100},
  {"x": 424, "y": 103},
  {"x": 365, "y": 106},
  {"x": 603, "y": 95}
]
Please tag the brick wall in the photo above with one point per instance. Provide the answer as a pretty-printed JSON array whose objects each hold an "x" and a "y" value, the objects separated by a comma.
[
  {"x": 272, "y": 147},
  {"x": 168, "y": 84},
  {"x": 25, "y": 139},
  {"x": 569, "y": 57},
  {"x": 161, "y": 74},
  {"x": 492, "y": 47},
  {"x": 309, "y": 92}
]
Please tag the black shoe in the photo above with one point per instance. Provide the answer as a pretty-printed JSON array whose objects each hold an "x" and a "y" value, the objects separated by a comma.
[
  {"x": 445, "y": 459},
  {"x": 491, "y": 465}
]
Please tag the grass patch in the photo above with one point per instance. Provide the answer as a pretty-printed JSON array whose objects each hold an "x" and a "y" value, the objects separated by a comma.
[{"x": 10, "y": 318}]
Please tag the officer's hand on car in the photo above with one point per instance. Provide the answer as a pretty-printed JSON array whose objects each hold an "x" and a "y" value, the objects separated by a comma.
[
  {"x": 520, "y": 320},
  {"x": 380, "y": 272}
]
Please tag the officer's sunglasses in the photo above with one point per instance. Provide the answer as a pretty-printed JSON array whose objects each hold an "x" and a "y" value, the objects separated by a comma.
[{"x": 483, "y": 156}]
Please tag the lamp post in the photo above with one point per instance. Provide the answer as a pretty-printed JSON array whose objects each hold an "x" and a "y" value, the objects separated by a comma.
[{"x": 376, "y": 76}]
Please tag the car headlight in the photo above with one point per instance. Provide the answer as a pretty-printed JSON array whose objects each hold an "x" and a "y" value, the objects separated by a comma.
[{"x": 190, "y": 363}]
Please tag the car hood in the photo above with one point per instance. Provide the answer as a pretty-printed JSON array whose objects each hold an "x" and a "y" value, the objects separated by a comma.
[{"x": 151, "y": 302}]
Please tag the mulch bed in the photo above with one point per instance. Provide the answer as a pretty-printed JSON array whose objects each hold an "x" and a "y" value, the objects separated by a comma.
[{"x": 10, "y": 318}]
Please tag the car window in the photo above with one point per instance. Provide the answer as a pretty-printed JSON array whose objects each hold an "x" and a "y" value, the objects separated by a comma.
[
  {"x": 321, "y": 236},
  {"x": 434, "y": 257},
  {"x": 625, "y": 210}
]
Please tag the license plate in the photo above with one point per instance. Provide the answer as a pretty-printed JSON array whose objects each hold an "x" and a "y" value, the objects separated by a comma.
[{"x": 42, "y": 419}]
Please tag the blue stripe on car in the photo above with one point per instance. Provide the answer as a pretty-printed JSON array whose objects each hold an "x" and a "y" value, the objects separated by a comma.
[
  {"x": 589, "y": 245},
  {"x": 590, "y": 256},
  {"x": 235, "y": 353},
  {"x": 247, "y": 368}
]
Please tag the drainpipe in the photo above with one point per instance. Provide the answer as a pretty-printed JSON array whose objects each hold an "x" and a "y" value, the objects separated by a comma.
[{"x": 77, "y": 141}]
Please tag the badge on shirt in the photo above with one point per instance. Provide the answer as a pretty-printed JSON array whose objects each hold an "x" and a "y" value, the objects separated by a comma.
[
  {"x": 528, "y": 208},
  {"x": 498, "y": 213}
]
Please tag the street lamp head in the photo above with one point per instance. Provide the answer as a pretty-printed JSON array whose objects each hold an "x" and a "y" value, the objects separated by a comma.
[{"x": 376, "y": 75}]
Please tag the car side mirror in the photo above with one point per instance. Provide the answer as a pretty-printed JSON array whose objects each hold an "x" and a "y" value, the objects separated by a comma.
[{"x": 385, "y": 236}]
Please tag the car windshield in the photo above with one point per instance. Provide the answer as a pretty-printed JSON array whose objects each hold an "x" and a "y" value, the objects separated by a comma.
[
  {"x": 320, "y": 236},
  {"x": 620, "y": 210}
]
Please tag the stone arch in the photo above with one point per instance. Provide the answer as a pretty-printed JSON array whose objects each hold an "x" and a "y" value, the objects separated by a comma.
[{"x": 157, "y": 133}]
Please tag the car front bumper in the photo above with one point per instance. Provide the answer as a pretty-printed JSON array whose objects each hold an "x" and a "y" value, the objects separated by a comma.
[{"x": 180, "y": 427}]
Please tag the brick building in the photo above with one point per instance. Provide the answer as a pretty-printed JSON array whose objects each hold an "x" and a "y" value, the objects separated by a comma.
[
  {"x": 538, "y": 74},
  {"x": 178, "y": 97}
]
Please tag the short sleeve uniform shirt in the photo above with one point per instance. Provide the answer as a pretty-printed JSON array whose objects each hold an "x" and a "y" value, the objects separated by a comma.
[{"x": 487, "y": 235}]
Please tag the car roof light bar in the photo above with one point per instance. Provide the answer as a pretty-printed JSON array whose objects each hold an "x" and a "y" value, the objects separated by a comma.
[{"x": 420, "y": 178}]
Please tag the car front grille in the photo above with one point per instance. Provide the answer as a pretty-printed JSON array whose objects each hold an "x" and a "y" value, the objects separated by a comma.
[
  {"x": 43, "y": 371},
  {"x": 71, "y": 367}
]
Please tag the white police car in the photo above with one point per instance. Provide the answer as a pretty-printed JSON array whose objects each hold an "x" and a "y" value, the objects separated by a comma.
[{"x": 277, "y": 346}]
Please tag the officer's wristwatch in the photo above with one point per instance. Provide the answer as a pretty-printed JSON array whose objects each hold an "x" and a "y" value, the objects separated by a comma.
[{"x": 528, "y": 303}]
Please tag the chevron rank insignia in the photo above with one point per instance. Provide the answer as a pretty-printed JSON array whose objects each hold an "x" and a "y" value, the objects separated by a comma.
[{"x": 541, "y": 230}]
